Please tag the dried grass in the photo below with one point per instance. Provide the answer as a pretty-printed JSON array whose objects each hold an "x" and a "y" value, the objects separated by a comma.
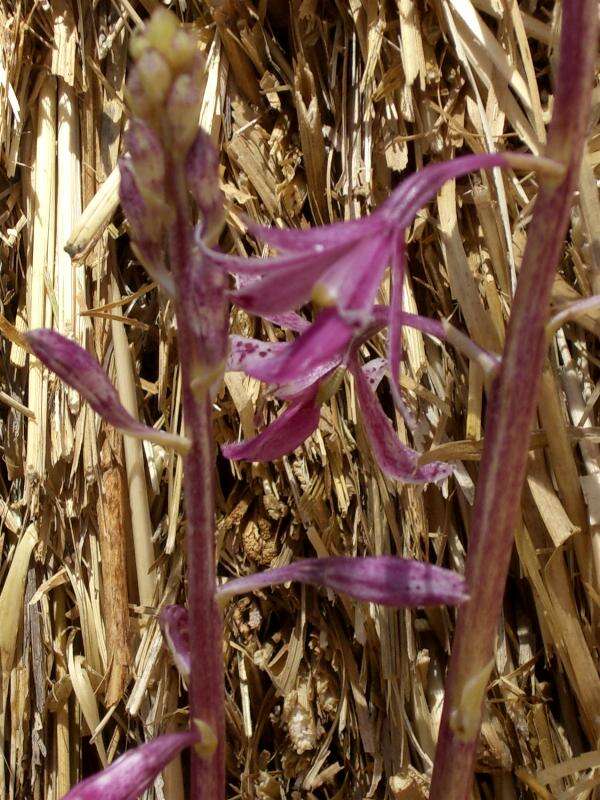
[{"x": 317, "y": 109}]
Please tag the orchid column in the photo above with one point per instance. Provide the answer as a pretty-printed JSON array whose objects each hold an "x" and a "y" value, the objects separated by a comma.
[{"x": 171, "y": 197}]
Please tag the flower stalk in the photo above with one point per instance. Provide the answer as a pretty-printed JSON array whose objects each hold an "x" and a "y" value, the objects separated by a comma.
[
  {"x": 206, "y": 688},
  {"x": 511, "y": 414}
]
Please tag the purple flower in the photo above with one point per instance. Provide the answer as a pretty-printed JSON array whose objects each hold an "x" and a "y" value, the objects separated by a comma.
[
  {"x": 76, "y": 367},
  {"x": 132, "y": 773},
  {"x": 304, "y": 373},
  {"x": 387, "y": 580},
  {"x": 342, "y": 265}
]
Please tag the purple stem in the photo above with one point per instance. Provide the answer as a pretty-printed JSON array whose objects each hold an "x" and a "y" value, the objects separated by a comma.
[
  {"x": 511, "y": 414},
  {"x": 206, "y": 685}
]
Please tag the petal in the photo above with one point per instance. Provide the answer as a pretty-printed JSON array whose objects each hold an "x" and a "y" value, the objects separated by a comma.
[
  {"x": 132, "y": 773},
  {"x": 174, "y": 624},
  {"x": 352, "y": 282},
  {"x": 289, "y": 320},
  {"x": 395, "y": 333},
  {"x": 374, "y": 371},
  {"x": 418, "y": 189},
  {"x": 338, "y": 233},
  {"x": 283, "y": 436},
  {"x": 387, "y": 580},
  {"x": 395, "y": 459},
  {"x": 276, "y": 266},
  {"x": 76, "y": 367},
  {"x": 321, "y": 348}
]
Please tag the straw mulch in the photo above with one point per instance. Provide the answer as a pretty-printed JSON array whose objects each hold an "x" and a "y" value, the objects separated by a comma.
[{"x": 318, "y": 109}]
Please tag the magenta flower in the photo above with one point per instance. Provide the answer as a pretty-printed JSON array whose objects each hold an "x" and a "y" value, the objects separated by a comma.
[
  {"x": 387, "y": 580},
  {"x": 342, "y": 265},
  {"x": 76, "y": 367},
  {"x": 134, "y": 771},
  {"x": 303, "y": 372}
]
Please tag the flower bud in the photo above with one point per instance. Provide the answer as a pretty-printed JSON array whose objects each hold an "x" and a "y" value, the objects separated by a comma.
[
  {"x": 160, "y": 30},
  {"x": 148, "y": 162},
  {"x": 183, "y": 112},
  {"x": 155, "y": 76},
  {"x": 202, "y": 175},
  {"x": 182, "y": 51}
]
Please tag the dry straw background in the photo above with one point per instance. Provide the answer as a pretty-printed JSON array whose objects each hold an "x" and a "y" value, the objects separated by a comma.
[{"x": 318, "y": 108}]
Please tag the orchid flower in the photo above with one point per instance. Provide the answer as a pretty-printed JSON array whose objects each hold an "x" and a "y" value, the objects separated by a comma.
[
  {"x": 387, "y": 580},
  {"x": 342, "y": 265},
  {"x": 304, "y": 372}
]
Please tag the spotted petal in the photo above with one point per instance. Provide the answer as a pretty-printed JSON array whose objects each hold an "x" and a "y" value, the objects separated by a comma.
[
  {"x": 319, "y": 349},
  {"x": 387, "y": 580},
  {"x": 283, "y": 436},
  {"x": 395, "y": 459}
]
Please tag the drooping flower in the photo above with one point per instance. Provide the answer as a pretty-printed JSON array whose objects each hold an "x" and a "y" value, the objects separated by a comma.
[
  {"x": 342, "y": 265},
  {"x": 134, "y": 771},
  {"x": 78, "y": 369},
  {"x": 386, "y": 580},
  {"x": 304, "y": 373}
]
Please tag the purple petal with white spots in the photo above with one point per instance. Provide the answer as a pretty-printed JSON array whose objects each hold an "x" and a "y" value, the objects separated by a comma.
[
  {"x": 283, "y": 436},
  {"x": 387, "y": 580},
  {"x": 174, "y": 624},
  {"x": 395, "y": 459},
  {"x": 374, "y": 371},
  {"x": 76, "y": 367},
  {"x": 321, "y": 348},
  {"x": 132, "y": 773}
]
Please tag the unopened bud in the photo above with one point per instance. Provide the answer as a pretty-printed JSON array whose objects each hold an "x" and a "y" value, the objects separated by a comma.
[
  {"x": 183, "y": 112},
  {"x": 142, "y": 219},
  {"x": 182, "y": 51},
  {"x": 137, "y": 45},
  {"x": 148, "y": 161},
  {"x": 202, "y": 174},
  {"x": 135, "y": 96},
  {"x": 160, "y": 30},
  {"x": 155, "y": 76}
]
